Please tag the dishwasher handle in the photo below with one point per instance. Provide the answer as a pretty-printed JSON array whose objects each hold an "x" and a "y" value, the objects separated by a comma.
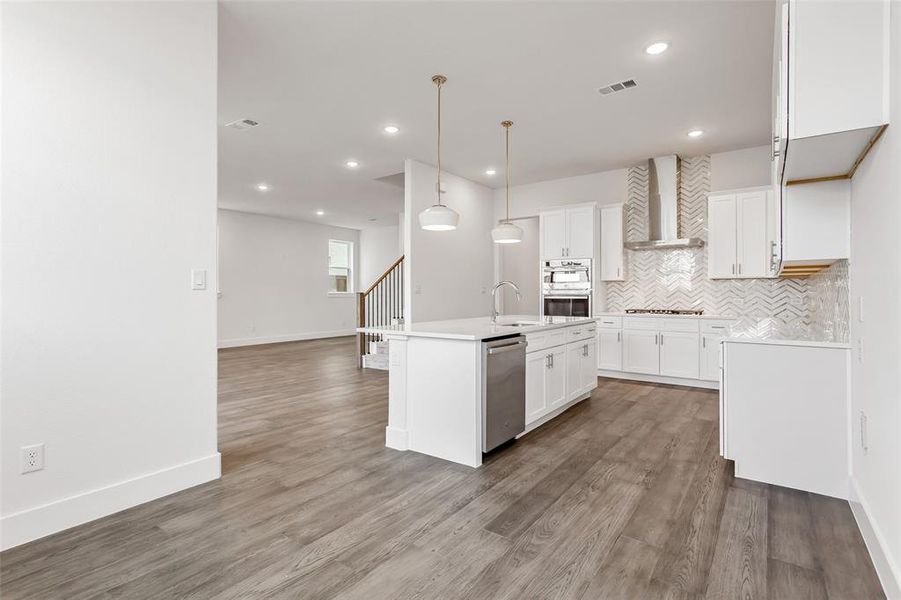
[{"x": 507, "y": 348}]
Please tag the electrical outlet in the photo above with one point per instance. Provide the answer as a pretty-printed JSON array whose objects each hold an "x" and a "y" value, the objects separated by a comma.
[
  {"x": 864, "y": 444},
  {"x": 32, "y": 458}
]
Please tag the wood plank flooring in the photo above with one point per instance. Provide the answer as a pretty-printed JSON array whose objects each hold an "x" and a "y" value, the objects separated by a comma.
[{"x": 624, "y": 496}]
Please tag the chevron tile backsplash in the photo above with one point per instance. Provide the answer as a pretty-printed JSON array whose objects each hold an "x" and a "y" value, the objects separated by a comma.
[{"x": 813, "y": 308}]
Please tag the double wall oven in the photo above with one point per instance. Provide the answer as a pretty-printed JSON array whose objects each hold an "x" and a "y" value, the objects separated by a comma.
[{"x": 566, "y": 288}]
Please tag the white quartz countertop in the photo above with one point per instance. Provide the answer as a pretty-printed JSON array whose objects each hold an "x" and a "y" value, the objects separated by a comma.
[
  {"x": 782, "y": 342},
  {"x": 659, "y": 316},
  {"x": 478, "y": 328}
]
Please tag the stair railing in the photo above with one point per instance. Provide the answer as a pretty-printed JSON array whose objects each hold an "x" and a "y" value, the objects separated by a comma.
[{"x": 381, "y": 304}]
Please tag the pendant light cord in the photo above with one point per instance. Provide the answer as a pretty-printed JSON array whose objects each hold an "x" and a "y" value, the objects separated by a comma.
[
  {"x": 507, "y": 125},
  {"x": 438, "y": 81}
]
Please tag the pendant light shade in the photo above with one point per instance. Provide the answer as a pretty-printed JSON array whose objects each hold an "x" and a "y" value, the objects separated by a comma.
[
  {"x": 438, "y": 217},
  {"x": 506, "y": 232}
]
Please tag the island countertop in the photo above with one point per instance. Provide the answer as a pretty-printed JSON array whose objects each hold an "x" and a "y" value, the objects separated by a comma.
[{"x": 478, "y": 328}]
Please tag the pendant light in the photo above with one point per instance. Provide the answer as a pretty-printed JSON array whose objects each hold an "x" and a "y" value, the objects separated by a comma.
[
  {"x": 438, "y": 217},
  {"x": 506, "y": 232}
]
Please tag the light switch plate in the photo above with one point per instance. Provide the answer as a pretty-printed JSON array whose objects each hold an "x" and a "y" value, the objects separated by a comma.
[{"x": 198, "y": 279}]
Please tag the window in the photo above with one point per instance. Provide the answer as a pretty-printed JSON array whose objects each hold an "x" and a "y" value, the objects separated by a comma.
[{"x": 340, "y": 266}]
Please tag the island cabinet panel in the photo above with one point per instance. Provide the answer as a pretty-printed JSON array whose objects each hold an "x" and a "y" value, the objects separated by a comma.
[
  {"x": 640, "y": 351},
  {"x": 589, "y": 367},
  {"x": 556, "y": 378},
  {"x": 679, "y": 354},
  {"x": 537, "y": 365}
]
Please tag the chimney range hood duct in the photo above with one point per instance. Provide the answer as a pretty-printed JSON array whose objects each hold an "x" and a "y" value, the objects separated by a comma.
[{"x": 663, "y": 208}]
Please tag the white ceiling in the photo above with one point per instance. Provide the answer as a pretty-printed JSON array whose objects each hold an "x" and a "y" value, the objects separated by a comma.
[{"x": 323, "y": 78}]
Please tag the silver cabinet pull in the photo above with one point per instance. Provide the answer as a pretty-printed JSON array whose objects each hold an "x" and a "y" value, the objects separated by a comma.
[
  {"x": 617, "y": 271},
  {"x": 739, "y": 268},
  {"x": 661, "y": 339},
  {"x": 618, "y": 336},
  {"x": 703, "y": 341},
  {"x": 655, "y": 339},
  {"x": 733, "y": 268}
]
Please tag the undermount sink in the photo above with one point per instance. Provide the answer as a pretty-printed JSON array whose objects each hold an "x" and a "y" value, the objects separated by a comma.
[{"x": 519, "y": 324}]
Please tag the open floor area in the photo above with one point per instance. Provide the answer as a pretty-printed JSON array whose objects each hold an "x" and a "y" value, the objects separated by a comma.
[{"x": 622, "y": 496}]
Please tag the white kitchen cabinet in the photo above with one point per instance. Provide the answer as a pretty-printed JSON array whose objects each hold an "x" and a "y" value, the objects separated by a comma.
[
  {"x": 581, "y": 368},
  {"x": 722, "y": 236},
  {"x": 552, "y": 224},
  {"x": 816, "y": 224},
  {"x": 835, "y": 50},
  {"x": 537, "y": 365},
  {"x": 784, "y": 413},
  {"x": 679, "y": 354},
  {"x": 640, "y": 351},
  {"x": 555, "y": 384},
  {"x": 710, "y": 356},
  {"x": 610, "y": 349},
  {"x": 568, "y": 232},
  {"x": 740, "y": 233},
  {"x": 612, "y": 263}
]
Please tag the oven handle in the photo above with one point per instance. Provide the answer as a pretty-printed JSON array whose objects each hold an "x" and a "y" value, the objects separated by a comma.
[{"x": 583, "y": 297}]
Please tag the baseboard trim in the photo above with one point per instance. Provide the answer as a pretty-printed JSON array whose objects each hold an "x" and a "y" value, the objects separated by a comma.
[
  {"x": 398, "y": 439},
  {"x": 294, "y": 337},
  {"x": 41, "y": 521},
  {"x": 886, "y": 567},
  {"x": 698, "y": 383}
]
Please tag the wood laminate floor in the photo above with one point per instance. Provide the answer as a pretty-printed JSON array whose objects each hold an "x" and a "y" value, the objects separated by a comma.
[{"x": 624, "y": 496}]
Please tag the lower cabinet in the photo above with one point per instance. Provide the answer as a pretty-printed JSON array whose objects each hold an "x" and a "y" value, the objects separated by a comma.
[
  {"x": 610, "y": 349},
  {"x": 710, "y": 356},
  {"x": 679, "y": 354},
  {"x": 581, "y": 372},
  {"x": 640, "y": 351},
  {"x": 558, "y": 375}
]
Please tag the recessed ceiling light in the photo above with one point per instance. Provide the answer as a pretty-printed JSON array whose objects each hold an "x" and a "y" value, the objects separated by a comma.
[
  {"x": 695, "y": 133},
  {"x": 352, "y": 164},
  {"x": 320, "y": 213},
  {"x": 263, "y": 187},
  {"x": 657, "y": 48},
  {"x": 391, "y": 129},
  {"x": 490, "y": 171}
]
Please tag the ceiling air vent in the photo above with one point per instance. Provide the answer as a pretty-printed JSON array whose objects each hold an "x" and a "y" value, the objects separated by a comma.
[
  {"x": 617, "y": 87},
  {"x": 242, "y": 124}
]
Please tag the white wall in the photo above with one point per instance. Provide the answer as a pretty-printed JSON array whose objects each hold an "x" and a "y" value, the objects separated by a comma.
[
  {"x": 274, "y": 280},
  {"x": 605, "y": 187},
  {"x": 875, "y": 269},
  {"x": 109, "y": 201},
  {"x": 448, "y": 274},
  {"x": 748, "y": 167},
  {"x": 379, "y": 248}
]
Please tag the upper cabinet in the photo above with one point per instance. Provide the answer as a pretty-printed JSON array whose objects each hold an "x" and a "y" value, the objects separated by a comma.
[
  {"x": 741, "y": 234},
  {"x": 612, "y": 264},
  {"x": 568, "y": 232},
  {"x": 830, "y": 81}
]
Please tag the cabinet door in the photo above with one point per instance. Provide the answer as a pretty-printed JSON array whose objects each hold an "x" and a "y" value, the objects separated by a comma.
[
  {"x": 679, "y": 354},
  {"x": 589, "y": 367},
  {"x": 612, "y": 243},
  {"x": 640, "y": 351},
  {"x": 553, "y": 234},
  {"x": 555, "y": 384},
  {"x": 580, "y": 232},
  {"x": 574, "y": 355},
  {"x": 753, "y": 234},
  {"x": 710, "y": 356},
  {"x": 610, "y": 349},
  {"x": 721, "y": 236},
  {"x": 537, "y": 365}
]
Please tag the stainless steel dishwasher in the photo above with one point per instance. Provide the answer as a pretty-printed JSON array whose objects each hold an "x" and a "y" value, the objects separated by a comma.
[{"x": 504, "y": 396}]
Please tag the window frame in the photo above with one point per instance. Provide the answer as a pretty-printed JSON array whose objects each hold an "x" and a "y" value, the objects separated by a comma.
[{"x": 351, "y": 269}]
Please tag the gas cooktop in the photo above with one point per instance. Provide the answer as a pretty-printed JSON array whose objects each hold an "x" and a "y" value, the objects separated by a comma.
[{"x": 662, "y": 311}]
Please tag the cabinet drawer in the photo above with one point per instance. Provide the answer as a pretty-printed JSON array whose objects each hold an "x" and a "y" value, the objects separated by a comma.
[
  {"x": 717, "y": 327},
  {"x": 644, "y": 323},
  {"x": 686, "y": 325},
  {"x": 610, "y": 322},
  {"x": 536, "y": 341},
  {"x": 581, "y": 332}
]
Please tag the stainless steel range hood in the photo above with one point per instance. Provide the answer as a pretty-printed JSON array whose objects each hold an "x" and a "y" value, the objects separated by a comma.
[{"x": 663, "y": 207}]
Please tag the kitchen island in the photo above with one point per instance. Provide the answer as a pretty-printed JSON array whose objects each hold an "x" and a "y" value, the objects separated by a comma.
[{"x": 438, "y": 378}]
